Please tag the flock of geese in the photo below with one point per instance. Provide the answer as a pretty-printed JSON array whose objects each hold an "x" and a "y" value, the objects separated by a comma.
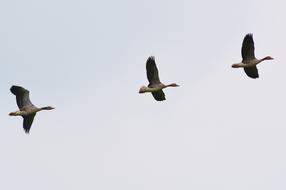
[{"x": 28, "y": 111}]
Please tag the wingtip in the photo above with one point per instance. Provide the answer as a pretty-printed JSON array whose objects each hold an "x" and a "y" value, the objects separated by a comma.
[
  {"x": 12, "y": 88},
  {"x": 16, "y": 89},
  {"x": 249, "y": 36},
  {"x": 253, "y": 76},
  {"x": 15, "y": 86},
  {"x": 27, "y": 131},
  {"x": 151, "y": 58},
  {"x": 160, "y": 100}
]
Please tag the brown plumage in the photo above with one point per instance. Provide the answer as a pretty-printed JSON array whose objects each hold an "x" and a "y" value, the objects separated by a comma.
[
  {"x": 27, "y": 109},
  {"x": 154, "y": 86},
  {"x": 249, "y": 60}
]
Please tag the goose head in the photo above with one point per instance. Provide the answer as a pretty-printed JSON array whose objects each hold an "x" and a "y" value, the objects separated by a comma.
[
  {"x": 47, "y": 108},
  {"x": 173, "y": 85},
  {"x": 268, "y": 58}
]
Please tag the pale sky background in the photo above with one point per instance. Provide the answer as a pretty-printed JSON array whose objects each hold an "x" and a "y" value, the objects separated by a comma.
[{"x": 220, "y": 130}]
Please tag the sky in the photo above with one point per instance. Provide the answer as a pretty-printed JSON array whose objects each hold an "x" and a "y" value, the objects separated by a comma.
[{"x": 219, "y": 130}]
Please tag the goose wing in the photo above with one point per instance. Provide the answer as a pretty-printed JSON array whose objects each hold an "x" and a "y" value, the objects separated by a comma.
[
  {"x": 27, "y": 122},
  {"x": 247, "y": 50},
  {"x": 22, "y": 96},
  {"x": 152, "y": 71},
  {"x": 252, "y": 72},
  {"x": 159, "y": 95}
]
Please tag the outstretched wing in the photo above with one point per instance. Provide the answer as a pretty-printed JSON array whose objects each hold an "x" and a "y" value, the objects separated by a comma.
[
  {"x": 22, "y": 96},
  {"x": 247, "y": 49},
  {"x": 152, "y": 71},
  {"x": 252, "y": 72},
  {"x": 27, "y": 122},
  {"x": 159, "y": 95}
]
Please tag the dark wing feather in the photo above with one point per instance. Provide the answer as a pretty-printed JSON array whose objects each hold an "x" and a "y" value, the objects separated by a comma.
[
  {"x": 247, "y": 50},
  {"x": 22, "y": 96},
  {"x": 27, "y": 123},
  {"x": 252, "y": 72},
  {"x": 159, "y": 95},
  {"x": 152, "y": 71}
]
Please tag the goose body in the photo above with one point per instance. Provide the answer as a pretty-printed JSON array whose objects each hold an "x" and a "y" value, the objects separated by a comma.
[
  {"x": 26, "y": 109},
  {"x": 155, "y": 86},
  {"x": 249, "y": 61}
]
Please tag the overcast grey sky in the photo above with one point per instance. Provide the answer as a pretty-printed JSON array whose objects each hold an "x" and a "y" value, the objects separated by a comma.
[{"x": 220, "y": 130}]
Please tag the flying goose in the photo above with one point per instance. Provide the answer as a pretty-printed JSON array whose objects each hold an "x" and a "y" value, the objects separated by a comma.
[
  {"x": 27, "y": 109},
  {"x": 155, "y": 86},
  {"x": 249, "y": 61}
]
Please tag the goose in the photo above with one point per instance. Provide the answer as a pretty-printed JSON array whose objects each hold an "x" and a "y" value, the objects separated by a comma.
[
  {"x": 27, "y": 109},
  {"x": 249, "y": 61},
  {"x": 155, "y": 86}
]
